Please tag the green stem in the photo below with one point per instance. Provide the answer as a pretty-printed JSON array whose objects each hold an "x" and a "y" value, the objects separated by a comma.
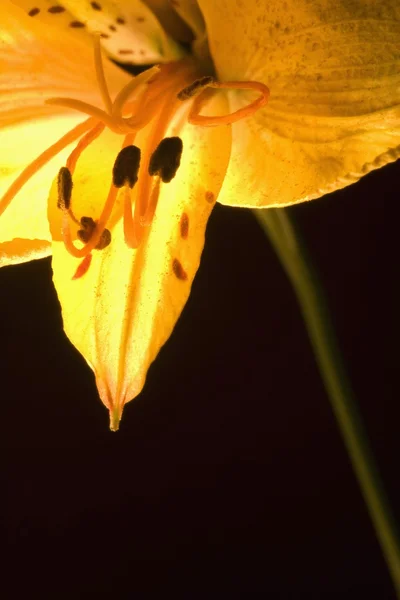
[{"x": 276, "y": 224}]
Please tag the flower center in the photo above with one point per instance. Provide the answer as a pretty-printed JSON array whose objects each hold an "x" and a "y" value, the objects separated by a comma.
[{"x": 155, "y": 96}]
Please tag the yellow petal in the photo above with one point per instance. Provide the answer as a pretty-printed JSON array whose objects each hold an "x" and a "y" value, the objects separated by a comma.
[
  {"x": 24, "y": 228},
  {"x": 333, "y": 69},
  {"x": 130, "y": 31},
  {"x": 36, "y": 63},
  {"x": 19, "y": 250},
  {"x": 124, "y": 308}
]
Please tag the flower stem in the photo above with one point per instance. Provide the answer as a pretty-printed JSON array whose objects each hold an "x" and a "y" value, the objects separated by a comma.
[{"x": 276, "y": 224}]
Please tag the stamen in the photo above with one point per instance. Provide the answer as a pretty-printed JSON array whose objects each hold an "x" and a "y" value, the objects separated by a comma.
[
  {"x": 126, "y": 167},
  {"x": 64, "y": 186},
  {"x": 152, "y": 205},
  {"x": 88, "y": 226},
  {"x": 194, "y": 88},
  {"x": 101, "y": 80},
  {"x": 166, "y": 158},
  {"x": 196, "y": 119},
  {"x": 105, "y": 240},
  {"x": 131, "y": 235},
  {"x": 95, "y": 239},
  {"x": 165, "y": 113},
  {"x": 82, "y": 144},
  {"x": 85, "y": 234},
  {"x": 116, "y": 125},
  {"x": 123, "y": 96},
  {"x": 43, "y": 159}
]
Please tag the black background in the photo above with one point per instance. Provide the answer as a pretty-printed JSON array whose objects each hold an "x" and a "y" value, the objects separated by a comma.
[{"x": 228, "y": 477}]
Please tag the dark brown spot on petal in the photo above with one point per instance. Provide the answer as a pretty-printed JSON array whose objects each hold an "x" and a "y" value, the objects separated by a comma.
[
  {"x": 112, "y": 28},
  {"x": 178, "y": 270},
  {"x": 104, "y": 36},
  {"x": 184, "y": 226},
  {"x": 56, "y": 9},
  {"x": 95, "y": 5},
  {"x": 125, "y": 51},
  {"x": 33, "y": 12},
  {"x": 77, "y": 24},
  {"x": 210, "y": 197},
  {"x": 140, "y": 19},
  {"x": 121, "y": 21}
]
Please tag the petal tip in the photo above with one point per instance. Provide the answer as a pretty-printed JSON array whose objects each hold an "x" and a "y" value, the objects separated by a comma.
[{"x": 115, "y": 418}]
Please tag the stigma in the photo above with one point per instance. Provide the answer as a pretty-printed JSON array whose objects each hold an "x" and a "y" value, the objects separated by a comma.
[{"x": 153, "y": 98}]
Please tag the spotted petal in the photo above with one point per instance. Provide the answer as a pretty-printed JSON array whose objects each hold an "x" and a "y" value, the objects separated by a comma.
[
  {"x": 123, "y": 309},
  {"x": 130, "y": 31},
  {"x": 333, "y": 69}
]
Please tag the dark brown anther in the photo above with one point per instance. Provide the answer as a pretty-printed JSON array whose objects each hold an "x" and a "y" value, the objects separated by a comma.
[
  {"x": 105, "y": 240},
  {"x": 64, "y": 187},
  {"x": 194, "y": 88},
  {"x": 126, "y": 167},
  {"x": 88, "y": 226},
  {"x": 166, "y": 158}
]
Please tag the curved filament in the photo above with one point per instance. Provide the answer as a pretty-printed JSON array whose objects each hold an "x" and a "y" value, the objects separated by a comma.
[
  {"x": 43, "y": 159},
  {"x": 206, "y": 121},
  {"x": 82, "y": 144},
  {"x": 101, "y": 80}
]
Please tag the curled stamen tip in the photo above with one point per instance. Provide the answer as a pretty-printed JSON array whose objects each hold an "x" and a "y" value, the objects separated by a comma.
[
  {"x": 126, "y": 167},
  {"x": 194, "y": 88},
  {"x": 88, "y": 226},
  {"x": 86, "y": 233},
  {"x": 64, "y": 188},
  {"x": 166, "y": 158},
  {"x": 105, "y": 240}
]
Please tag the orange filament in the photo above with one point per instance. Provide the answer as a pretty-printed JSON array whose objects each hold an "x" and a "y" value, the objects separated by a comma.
[
  {"x": 136, "y": 85},
  {"x": 157, "y": 133},
  {"x": 154, "y": 95},
  {"x": 43, "y": 159},
  {"x": 196, "y": 119},
  {"x": 82, "y": 144},
  {"x": 100, "y": 227},
  {"x": 101, "y": 80}
]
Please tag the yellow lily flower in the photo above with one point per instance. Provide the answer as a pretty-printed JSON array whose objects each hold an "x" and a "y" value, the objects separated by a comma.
[{"x": 141, "y": 161}]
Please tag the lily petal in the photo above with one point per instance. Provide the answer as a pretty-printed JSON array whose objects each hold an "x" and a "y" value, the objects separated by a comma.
[
  {"x": 333, "y": 69},
  {"x": 123, "y": 309},
  {"x": 36, "y": 64},
  {"x": 130, "y": 31},
  {"x": 24, "y": 228}
]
